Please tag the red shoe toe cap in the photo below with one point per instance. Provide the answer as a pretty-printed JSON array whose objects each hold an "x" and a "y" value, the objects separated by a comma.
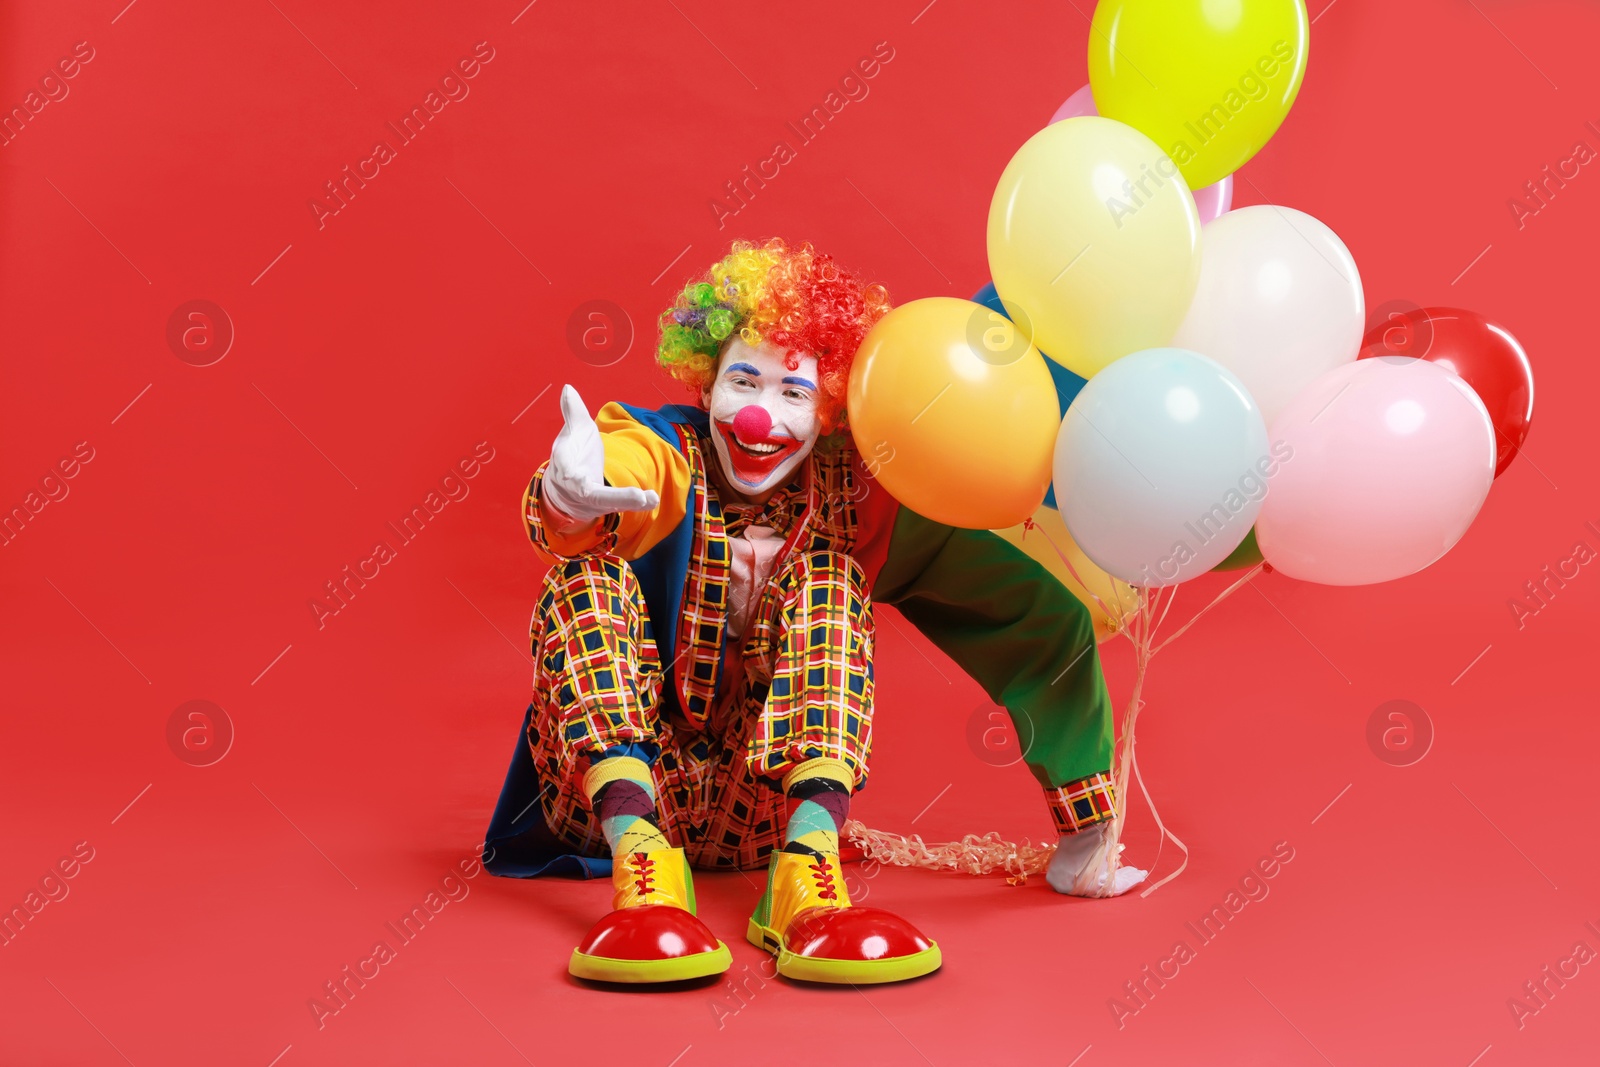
[
  {"x": 648, "y": 932},
  {"x": 853, "y": 934}
]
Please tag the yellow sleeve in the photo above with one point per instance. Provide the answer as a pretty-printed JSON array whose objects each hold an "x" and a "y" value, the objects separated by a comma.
[{"x": 636, "y": 457}]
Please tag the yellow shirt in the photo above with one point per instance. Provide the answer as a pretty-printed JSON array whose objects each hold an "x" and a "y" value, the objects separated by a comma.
[{"x": 636, "y": 457}]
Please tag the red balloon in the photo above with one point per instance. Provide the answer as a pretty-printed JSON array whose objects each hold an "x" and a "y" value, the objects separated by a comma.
[{"x": 1482, "y": 353}]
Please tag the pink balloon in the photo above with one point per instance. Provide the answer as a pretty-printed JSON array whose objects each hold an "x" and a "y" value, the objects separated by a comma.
[
  {"x": 1214, "y": 200},
  {"x": 1077, "y": 105},
  {"x": 1383, "y": 464}
]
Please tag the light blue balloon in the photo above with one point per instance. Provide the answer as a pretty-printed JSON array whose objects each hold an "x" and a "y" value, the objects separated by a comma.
[{"x": 1161, "y": 466}]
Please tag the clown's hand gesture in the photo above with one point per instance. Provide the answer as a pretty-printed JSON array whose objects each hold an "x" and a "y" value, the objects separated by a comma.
[
  {"x": 1079, "y": 866},
  {"x": 575, "y": 481}
]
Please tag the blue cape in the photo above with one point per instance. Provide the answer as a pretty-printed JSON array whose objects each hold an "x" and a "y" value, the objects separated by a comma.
[{"x": 518, "y": 844}]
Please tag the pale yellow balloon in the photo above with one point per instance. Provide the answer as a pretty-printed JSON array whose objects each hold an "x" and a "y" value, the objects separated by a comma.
[
  {"x": 1094, "y": 242},
  {"x": 1108, "y": 599},
  {"x": 954, "y": 413}
]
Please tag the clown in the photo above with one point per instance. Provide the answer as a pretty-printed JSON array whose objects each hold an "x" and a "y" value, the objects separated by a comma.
[{"x": 703, "y": 682}]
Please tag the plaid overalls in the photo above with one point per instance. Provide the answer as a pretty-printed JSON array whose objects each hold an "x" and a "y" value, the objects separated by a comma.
[{"x": 797, "y": 685}]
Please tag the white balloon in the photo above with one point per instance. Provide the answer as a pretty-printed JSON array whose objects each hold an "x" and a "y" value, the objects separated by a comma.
[{"x": 1279, "y": 302}]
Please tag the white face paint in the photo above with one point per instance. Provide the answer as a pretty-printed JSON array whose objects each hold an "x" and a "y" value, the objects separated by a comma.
[{"x": 763, "y": 416}]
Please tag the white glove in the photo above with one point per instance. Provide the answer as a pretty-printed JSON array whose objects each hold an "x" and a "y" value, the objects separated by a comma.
[
  {"x": 1079, "y": 866},
  {"x": 575, "y": 480}
]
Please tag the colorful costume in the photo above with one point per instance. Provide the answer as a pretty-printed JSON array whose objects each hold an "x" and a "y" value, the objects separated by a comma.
[{"x": 704, "y": 678}]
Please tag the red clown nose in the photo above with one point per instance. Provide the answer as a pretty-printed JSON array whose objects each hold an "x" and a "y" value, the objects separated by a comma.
[{"x": 752, "y": 423}]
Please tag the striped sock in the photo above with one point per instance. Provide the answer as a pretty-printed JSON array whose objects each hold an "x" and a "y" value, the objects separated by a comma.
[
  {"x": 622, "y": 793},
  {"x": 819, "y": 803}
]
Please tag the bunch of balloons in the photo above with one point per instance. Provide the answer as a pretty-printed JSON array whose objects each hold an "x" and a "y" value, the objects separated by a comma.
[{"x": 1167, "y": 386}]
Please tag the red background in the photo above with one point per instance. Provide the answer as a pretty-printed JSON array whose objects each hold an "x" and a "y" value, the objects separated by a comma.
[{"x": 373, "y": 353}]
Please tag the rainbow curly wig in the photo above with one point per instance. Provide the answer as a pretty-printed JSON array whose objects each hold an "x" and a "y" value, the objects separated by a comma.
[{"x": 797, "y": 300}]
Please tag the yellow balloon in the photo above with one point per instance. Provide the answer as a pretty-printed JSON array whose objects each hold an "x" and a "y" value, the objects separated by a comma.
[
  {"x": 1047, "y": 542},
  {"x": 1210, "y": 81},
  {"x": 954, "y": 413},
  {"x": 1094, "y": 242}
]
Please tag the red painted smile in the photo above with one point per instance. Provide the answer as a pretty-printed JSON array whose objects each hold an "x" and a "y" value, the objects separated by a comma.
[{"x": 754, "y": 461}]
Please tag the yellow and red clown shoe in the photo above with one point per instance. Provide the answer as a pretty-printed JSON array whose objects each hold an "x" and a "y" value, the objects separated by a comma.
[
  {"x": 652, "y": 934},
  {"x": 806, "y": 920}
]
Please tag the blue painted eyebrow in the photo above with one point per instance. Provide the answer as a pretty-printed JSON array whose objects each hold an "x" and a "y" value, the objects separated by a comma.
[
  {"x": 743, "y": 367},
  {"x": 800, "y": 381}
]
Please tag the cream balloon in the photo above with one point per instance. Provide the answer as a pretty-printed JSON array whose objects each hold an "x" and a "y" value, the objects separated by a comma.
[
  {"x": 1279, "y": 302},
  {"x": 1094, "y": 242}
]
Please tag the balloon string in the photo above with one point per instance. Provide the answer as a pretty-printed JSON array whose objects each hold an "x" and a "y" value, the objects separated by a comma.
[
  {"x": 1220, "y": 597},
  {"x": 1160, "y": 826},
  {"x": 1119, "y": 616},
  {"x": 1138, "y": 634},
  {"x": 973, "y": 854},
  {"x": 1142, "y": 636},
  {"x": 990, "y": 853},
  {"x": 1170, "y": 597}
]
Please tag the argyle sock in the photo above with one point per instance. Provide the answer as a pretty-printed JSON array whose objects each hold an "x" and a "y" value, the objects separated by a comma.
[
  {"x": 622, "y": 794},
  {"x": 818, "y": 792}
]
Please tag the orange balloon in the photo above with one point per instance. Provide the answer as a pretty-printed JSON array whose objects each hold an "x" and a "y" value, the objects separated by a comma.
[
  {"x": 954, "y": 412},
  {"x": 1108, "y": 599}
]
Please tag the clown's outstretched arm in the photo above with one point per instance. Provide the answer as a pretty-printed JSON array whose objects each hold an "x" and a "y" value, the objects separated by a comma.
[
  {"x": 1031, "y": 645},
  {"x": 611, "y": 485}
]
